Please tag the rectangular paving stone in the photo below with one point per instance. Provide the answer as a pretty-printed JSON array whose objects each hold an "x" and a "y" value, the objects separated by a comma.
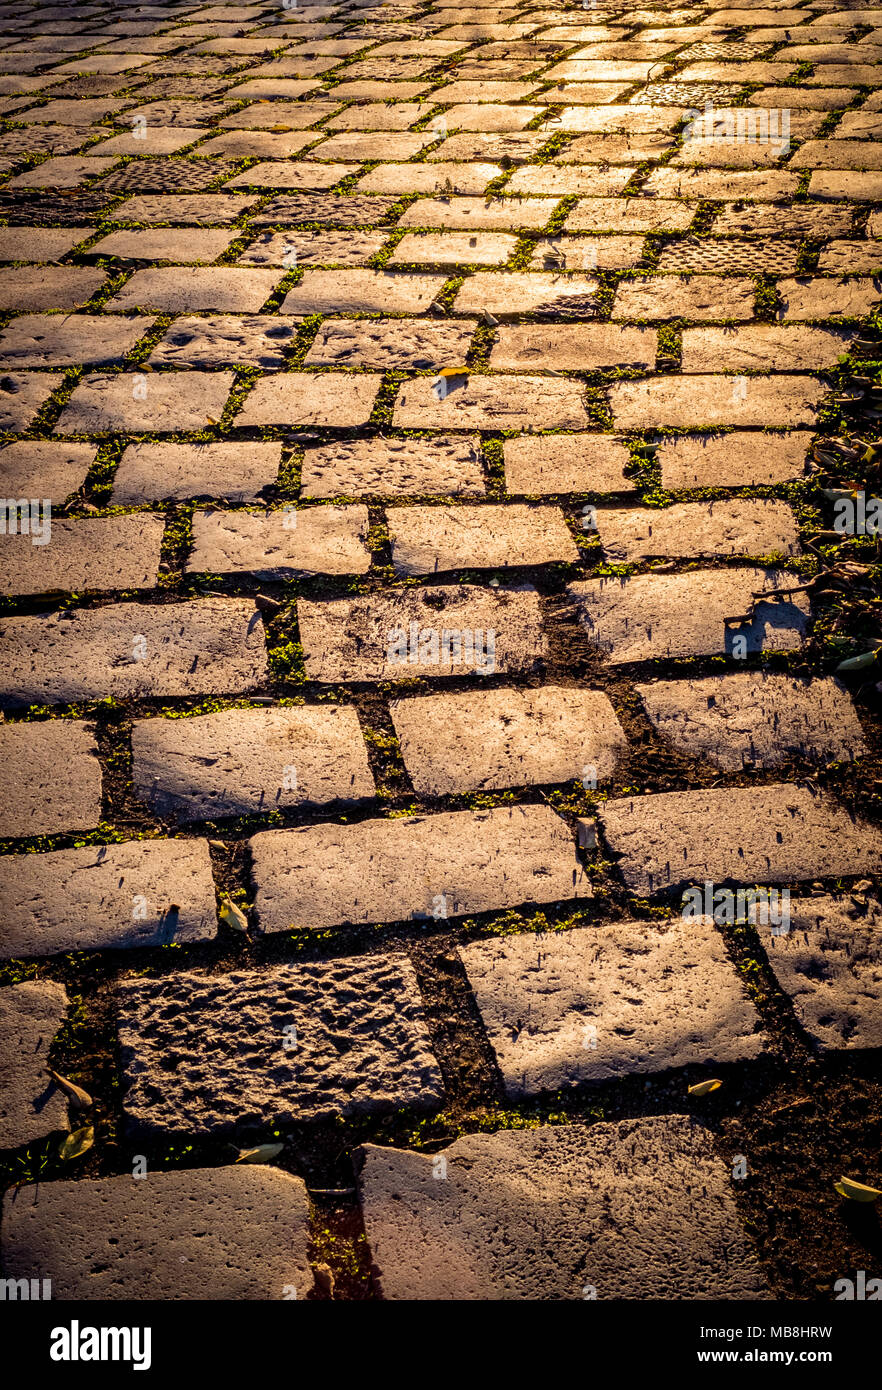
[
  {"x": 23, "y": 395},
  {"x": 445, "y": 177},
  {"x": 140, "y": 893},
  {"x": 313, "y": 248},
  {"x": 752, "y": 835},
  {"x": 209, "y": 646},
  {"x": 526, "y": 291},
  {"x": 35, "y": 289},
  {"x": 740, "y": 526},
  {"x": 581, "y": 347},
  {"x": 669, "y": 616},
  {"x": 361, "y": 1046},
  {"x": 220, "y": 340},
  {"x": 166, "y": 244},
  {"x": 763, "y": 347},
  {"x": 705, "y": 400},
  {"x": 630, "y": 215},
  {"x": 281, "y": 543},
  {"x": 822, "y": 297},
  {"x": 432, "y": 540},
  {"x": 846, "y": 183},
  {"x": 566, "y": 463},
  {"x": 454, "y": 248},
  {"x": 441, "y": 465},
  {"x": 56, "y": 340},
  {"x": 547, "y": 180},
  {"x": 413, "y": 867},
  {"x": 132, "y": 402},
  {"x": 230, "y": 1233},
  {"x": 737, "y": 459},
  {"x": 362, "y": 291},
  {"x": 196, "y": 209},
  {"x": 569, "y": 1007},
  {"x": 588, "y": 253},
  {"x": 32, "y": 1106},
  {"x": 153, "y": 471},
  {"x": 479, "y": 214},
  {"x": 391, "y": 343},
  {"x": 44, "y": 468},
  {"x": 64, "y": 171},
  {"x": 756, "y": 719},
  {"x": 116, "y": 552},
  {"x": 183, "y": 289},
  {"x": 50, "y": 778},
  {"x": 725, "y": 185},
  {"x": 685, "y": 296},
  {"x": 488, "y": 739},
  {"x": 301, "y": 174},
  {"x": 40, "y": 243},
  {"x": 242, "y": 762},
  {"x": 554, "y": 1213},
  {"x": 492, "y": 403},
  {"x": 311, "y": 398}
]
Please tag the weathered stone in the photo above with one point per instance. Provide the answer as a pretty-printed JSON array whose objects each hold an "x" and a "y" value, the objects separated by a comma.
[
  {"x": 362, "y": 291},
  {"x": 489, "y": 215},
  {"x": 492, "y": 403},
  {"x": 769, "y": 834},
  {"x": 442, "y": 465},
  {"x": 562, "y": 181},
  {"x": 588, "y": 253},
  {"x": 188, "y": 289},
  {"x": 851, "y": 184},
  {"x": 821, "y": 297},
  {"x": 738, "y": 459},
  {"x": 257, "y": 340},
  {"x": 23, "y": 394},
  {"x": 55, "y": 340},
  {"x": 37, "y": 288},
  {"x": 65, "y": 171},
  {"x": 454, "y": 248},
  {"x": 281, "y": 543},
  {"x": 313, "y": 248},
  {"x": 685, "y": 296},
  {"x": 725, "y": 185},
  {"x": 740, "y": 526},
  {"x": 44, "y": 468},
  {"x": 429, "y": 178},
  {"x": 50, "y": 778},
  {"x": 576, "y": 347},
  {"x": 165, "y": 244},
  {"x": 32, "y": 1106},
  {"x": 150, "y": 472},
  {"x": 40, "y": 243},
  {"x": 527, "y": 292},
  {"x": 763, "y": 347},
  {"x": 756, "y": 719},
  {"x": 299, "y": 174},
  {"x": 243, "y": 761},
  {"x": 140, "y": 893},
  {"x": 360, "y": 1046},
  {"x": 566, "y": 463},
  {"x": 311, "y": 398},
  {"x": 520, "y": 1208},
  {"x": 630, "y": 215},
  {"x": 114, "y": 552},
  {"x": 431, "y": 540},
  {"x": 134, "y": 402},
  {"x": 197, "y": 209},
  {"x": 692, "y": 401},
  {"x": 414, "y": 867},
  {"x": 343, "y": 210},
  {"x": 390, "y": 343}
]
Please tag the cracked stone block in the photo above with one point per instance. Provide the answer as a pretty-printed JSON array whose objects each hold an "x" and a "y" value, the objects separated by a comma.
[
  {"x": 282, "y": 543},
  {"x": 738, "y": 459},
  {"x": 488, "y": 215},
  {"x": 820, "y": 297},
  {"x": 566, "y": 463},
  {"x": 431, "y": 540},
  {"x": 653, "y": 617},
  {"x": 444, "y": 465},
  {"x": 740, "y": 526},
  {"x": 705, "y": 400},
  {"x": 390, "y": 344},
  {"x": 630, "y": 215},
  {"x": 34, "y": 289},
  {"x": 32, "y": 1106},
  {"x": 197, "y": 209},
  {"x": 454, "y": 248},
  {"x": 612, "y": 1000},
  {"x": 554, "y": 1213},
  {"x": 527, "y": 292},
  {"x": 829, "y": 961},
  {"x": 755, "y": 835},
  {"x": 362, "y": 291},
  {"x": 115, "y": 552},
  {"x": 688, "y": 297},
  {"x": 242, "y": 762},
  {"x": 189, "y": 289},
  {"x": 140, "y": 893},
  {"x": 482, "y": 740},
  {"x": 384, "y": 636},
  {"x": 23, "y": 395},
  {"x": 47, "y": 468},
  {"x": 763, "y": 347},
  {"x": 255, "y": 341},
  {"x": 133, "y": 402},
  {"x": 40, "y": 243},
  {"x": 207, "y": 646},
  {"x": 311, "y": 398},
  {"x": 52, "y": 340},
  {"x": 414, "y": 867},
  {"x": 572, "y": 347},
  {"x": 360, "y": 1046},
  {"x": 492, "y": 403},
  {"x": 50, "y": 778},
  {"x": 324, "y": 248},
  {"x": 756, "y": 719},
  {"x": 233, "y": 1233},
  {"x": 153, "y": 471}
]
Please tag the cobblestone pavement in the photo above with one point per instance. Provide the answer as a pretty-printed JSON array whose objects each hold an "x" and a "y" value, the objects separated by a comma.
[{"x": 440, "y": 648}]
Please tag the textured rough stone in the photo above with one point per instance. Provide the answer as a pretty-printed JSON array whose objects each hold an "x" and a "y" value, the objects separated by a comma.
[
  {"x": 742, "y": 526},
  {"x": 392, "y": 636},
  {"x": 362, "y": 291},
  {"x": 140, "y": 893},
  {"x": 429, "y": 178},
  {"x": 506, "y": 738},
  {"x": 737, "y": 459},
  {"x": 820, "y": 297},
  {"x": 553, "y": 1213},
  {"x": 588, "y": 253},
  {"x": 281, "y": 543},
  {"x": 196, "y": 209},
  {"x": 609, "y": 1001},
  {"x": 55, "y": 340},
  {"x": 399, "y": 344},
  {"x": 442, "y": 465},
  {"x": 690, "y": 401},
  {"x": 668, "y": 616},
  {"x": 685, "y": 296},
  {"x": 222, "y": 1233},
  {"x": 360, "y": 1046},
  {"x": 313, "y": 248},
  {"x": 492, "y": 403},
  {"x": 454, "y": 248},
  {"x": 572, "y": 347},
  {"x": 134, "y": 402},
  {"x": 38, "y": 288},
  {"x": 188, "y": 289},
  {"x": 257, "y": 340},
  {"x": 431, "y": 540},
  {"x": 209, "y": 646},
  {"x": 23, "y": 394},
  {"x": 114, "y": 552},
  {"x": 50, "y": 778},
  {"x": 486, "y": 214},
  {"x": 150, "y": 472},
  {"x": 31, "y": 1105},
  {"x": 769, "y": 834},
  {"x": 414, "y": 867},
  {"x": 311, "y": 398},
  {"x": 527, "y": 292},
  {"x": 756, "y": 719},
  {"x": 762, "y": 347},
  {"x": 165, "y": 244},
  {"x": 630, "y": 215},
  {"x": 44, "y": 468},
  {"x": 40, "y": 243},
  {"x": 567, "y": 463}
]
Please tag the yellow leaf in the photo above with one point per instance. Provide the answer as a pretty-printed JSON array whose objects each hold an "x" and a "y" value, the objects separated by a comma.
[
  {"x": 704, "y": 1088},
  {"x": 233, "y": 916},
  {"x": 280, "y": 129},
  {"x": 857, "y": 1191},
  {"x": 77, "y": 1143},
  {"x": 79, "y": 1098},
  {"x": 454, "y": 371},
  {"x": 264, "y": 1153}
]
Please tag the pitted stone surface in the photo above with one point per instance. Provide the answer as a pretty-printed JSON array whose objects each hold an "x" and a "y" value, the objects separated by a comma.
[
  {"x": 492, "y": 403},
  {"x": 542, "y": 1214},
  {"x": 50, "y": 778},
  {"x": 689, "y": 402},
  {"x": 281, "y": 543},
  {"x": 400, "y": 344},
  {"x": 139, "y": 893},
  {"x": 150, "y": 472},
  {"x": 157, "y": 404},
  {"x": 750, "y": 835},
  {"x": 360, "y": 1046},
  {"x": 444, "y": 464},
  {"x": 114, "y": 552},
  {"x": 432, "y": 540},
  {"x": 737, "y": 459},
  {"x": 62, "y": 340},
  {"x": 223, "y": 1233},
  {"x": 257, "y": 340},
  {"x": 414, "y": 867},
  {"x": 620, "y": 998},
  {"x": 44, "y": 468},
  {"x": 31, "y": 1105},
  {"x": 567, "y": 463},
  {"x": 742, "y": 526}
]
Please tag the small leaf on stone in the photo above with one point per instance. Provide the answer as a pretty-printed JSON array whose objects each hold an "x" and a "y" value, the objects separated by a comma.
[
  {"x": 79, "y": 1098},
  {"x": 76, "y": 1144},
  {"x": 704, "y": 1088},
  {"x": 263, "y": 1153}
]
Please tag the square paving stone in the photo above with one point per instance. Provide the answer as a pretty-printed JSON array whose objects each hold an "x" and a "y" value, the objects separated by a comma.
[
  {"x": 44, "y": 468},
  {"x": 670, "y": 616},
  {"x": 566, "y": 463},
  {"x": 152, "y": 472},
  {"x": 444, "y": 465},
  {"x": 226, "y": 1233},
  {"x": 771, "y": 834},
  {"x": 492, "y": 214},
  {"x": 362, "y": 291},
  {"x": 207, "y": 646},
  {"x": 282, "y": 543},
  {"x": 630, "y": 215},
  {"x": 573, "y": 347},
  {"x": 685, "y": 296},
  {"x": 24, "y": 288},
  {"x": 446, "y": 631},
  {"x": 23, "y": 394},
  {"x": 32, "y": 1106},
  {"x": 520, "y": 1209},
  {"x": 618, "y": 999},
  {"x": 56, "y": 340},
  {"x": 830, "y": 963},
  {"x": 361, "y": 1046},
  {"x": 40, "y": 243},
  {"x": 754, "y": 719},
  {"x": 414, "y": 867},
  {"x": 140, "y": 893},
  {"x": 819, "y": 297},
  {"x": 62, "y": 787},
  {"x": 313, "y": 248},
  {"x": 224, "y": 340},
  {"x": 488, "y": 739},
  {"x": 165, "y": 244},
  {"x": 454, "y": 248},
  {"x": 492, "y": 403},
  {"x": 446, "y": 178},
  {"x": 738, "y": 459},
  {"x": 434, "y": 540},
  {"x": 115, "y": 552},
  {"x": 390, "y": 343},
  {"x": 694, "y": 401},
  {"x": 134, "y": 402},
  {"x": 247, "y": 761},
  {"x": 763, "y": 347},
  {"x": 739, "y": 526},
  {"x": 311, "y": 398},
  {"x": 182, "y": 289},
  {"x": 197, "y": 209}
]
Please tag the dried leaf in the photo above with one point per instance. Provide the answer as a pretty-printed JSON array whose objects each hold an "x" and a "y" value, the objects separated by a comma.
[
  {"x": 857, "y": 1191},
  {"x": 263, "y": 1153},
  {"x": 78, "y": 1097},
  {"x": 704, "y": 1088},
  {"x": 233, "y": 916},
  {"x": 75, "y": 1144},
  {"x": 859, "y": 663}
]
